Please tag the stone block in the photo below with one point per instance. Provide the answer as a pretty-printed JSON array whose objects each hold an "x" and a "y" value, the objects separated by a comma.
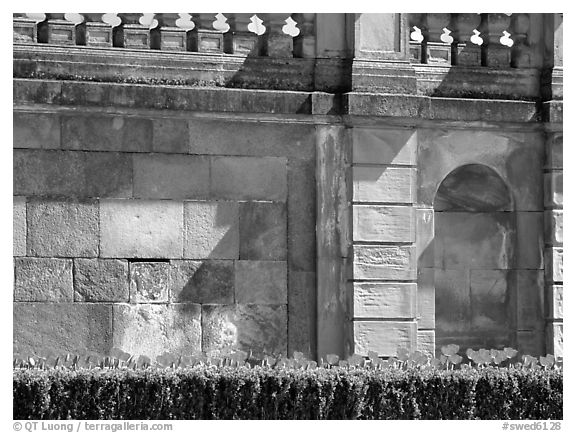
[
  {"x": 555, "y": 301},
  {"x": 170, "y": 135},
  {"x": 488, "y": 300},
  {"x": 554, "y": 264},
  {"x": 262, "y": 231},
  {"x": 62, "y": 327},
  {"x": 529, "y": 240},
  {"x": 106, "y": 133},
  {"x": 426, "y": 299},
  {"x": 383, "y": 223},
  {"x": 529, "y": 299},
  {"x": 260, "y": 328},
  {"x": 555, "y": 339},
  {"x": 36, "y": 130},
  {"x": 72, "y": 174},
  {"x": 554, "y": 227},
  {"x": 302, "y": 313},
  {"x": 530, "y": 343},
  {"x": 555, "y": 152},
  {"x": 211, "y": 230},
  {"x": 43, "y": 280},
  {"x": 384, "y": 337},
  {"x": 553, "y": 189},
  {"x": 384, "y": 146},
  {"x": 384, "y": 262},
  {"x": 19, "y": 226},
  {"x": 302, "y": 215},
  {"x": 171, "y": 176},
  {"x": 426, "y": 342},
  {"x": 100, "y": 280},
  {"x": 152, "y": 329},
  {"x": 425, "y": 237},
  {"x": 260, "y": 282},
  {"x": 452, "y": 301},
  {"x": 202, "y": 282},
  {"x": 384, "y": 300},
  {"x": 62, "y": 228},
  {"x": 219, "y": 137},
  {"x": 249, "y": 178},
  {"x": 141, "y": 228},
  {"x": 383, "y": 184},
  {"x": 149, "y": 282}
]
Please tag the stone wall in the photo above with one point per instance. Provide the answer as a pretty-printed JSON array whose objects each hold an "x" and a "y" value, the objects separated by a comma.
[{"x": 155, "y": 231}]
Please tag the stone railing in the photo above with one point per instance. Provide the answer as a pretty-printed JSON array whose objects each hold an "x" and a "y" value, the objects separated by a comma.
[
  {"x": 271, "y": 35},
  {"x": 492, "y": 40}
]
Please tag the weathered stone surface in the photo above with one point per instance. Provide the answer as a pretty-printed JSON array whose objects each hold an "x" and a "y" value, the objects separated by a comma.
[
  {"x": 107, "y": 133},
  {"x": 211, "y": 230},
  {"x": 151, "y": 330},
  {"x": 385, "y": 300},
  {"x": 219, "y": 137},
  {"x": 58, "y": 228},
  {"x": 260, "y": 282},
  {"x": 72, "y": 174},
  {"x": 555, "y": 301},
  {"x": 43, "y": 280},
  {"x": 141, "y": 228},
  {"x": 260, "y": 328},
  {"x": 302, "y": 313},
  {"x": 19, "y": 226},
  {"x": 170, "y": 135},
  {"x": 554, "y": 269},
  {"x": 249, "y": 178},
  {"x": 426, "y": 342},
  {"x": 36, "y": 130},
  {"x": 555, "y": 152},
  {"x": 425, "y": 237},
  {"x": 384, "y": 337},
  {"x": 529, "y": 299},
  {"x": 426, "y": 299},
  {"x": 262, "y": 231},
  {"x": 555, "y": 339},
  {"x": 202, "y": 282},
  {"x": 384, "y": 262},
  {"x": 62, "y": 327},
  {"x": 37, "y": 91},
  {"x": 383, "y": 223},
  {"x": 452, "y": 305},
  {"x": 530, "y": 343},
  {"x": 100, "y": 280},
  {"x": 383, "y": 184},
  {"x": 384, "y": 146},
  {"x": 554, "y": 227},
  {"x": 149, "y": 282},
  {"x": 302, "y": 215},
  {"x": 488, "y": 300},
  {"x": 171, "y": 176},
  {"x": 529, "y": 240}
]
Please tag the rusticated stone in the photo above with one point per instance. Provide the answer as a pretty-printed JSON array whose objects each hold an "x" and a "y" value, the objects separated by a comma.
[
  {"x": 555, "y": 301},
  {"x": 59, "y": 228},
  {"x": 249, "y": 178},
  {"x": 36, "y": 130},
  {"x": 260, "y": 328},
  {"x": 211, "y": 230},
  {"x": 171, "y": 176},
  {"x": 555, "y": 339},
  {"x": 62, "y": 327},
  {"x": 385, "y": 300},
  {"x": 202, "y": 282},
  {"x": 149, "y": 282},
  {"x": 151, "y": 330},
  {"x": 384, "y": 146},
  {"x": 100, "y": 280},
  {"x": 107, "y": 133},
  {"x": 384, "y": 337},
  {"x": 554, "y": 269},
  {"x": 426, "y": 342},
  {"x": 384, "y": 184},
  {"x": 170, "y": 136},
  {"x": 383, "y": 223},
  {"x": 141, "y": 228},
  {"x": 384, "y": 262},
  {"x": 43, "y": 280},
  {"x": 262, "y": 231},
  {"x": 260, "y": 282},
  {"x": 426, "y": 299},
  {"x": 554, "y": 227},
  {"x": 19, "y": 226},
  {"x": 302, "y": 313}
]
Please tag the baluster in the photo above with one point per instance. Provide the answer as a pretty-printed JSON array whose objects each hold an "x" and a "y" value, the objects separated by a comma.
[
  {"x": 494, "y": 53},
  {"x": 60, "y": 29},
  {"x": 465, "y": 51},
  {"x": 25, "y": 27},
  {"x": 239, "y": 40},
  {"x": 174, "y": 32},
  {"x": 417, "y": 42},
  {"x": 205, "y": 38},
  {"x": 305, "y": 42},
  {"x": 99, "y": 29},
  {"x": 134, "y": 32},
  {"x": 438, "y": 45},
  {"x": 276, "y": 42},
  {"x": 521, "y": 51}
]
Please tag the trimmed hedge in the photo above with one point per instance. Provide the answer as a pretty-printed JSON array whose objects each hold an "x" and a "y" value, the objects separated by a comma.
[{"x": 208, "y": 392}]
